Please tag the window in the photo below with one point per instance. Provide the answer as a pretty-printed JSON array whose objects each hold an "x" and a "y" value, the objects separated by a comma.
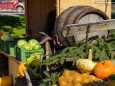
[
  {"x": 11, "y": 0},
  {"x": 3, "y": 0},
  {"x": 20, "y": 0}
]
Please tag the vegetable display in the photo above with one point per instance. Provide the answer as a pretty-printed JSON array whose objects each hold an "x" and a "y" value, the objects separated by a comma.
[
  {"x": 28, "y": 45},
  {"x": 34, "y": 60},
  {"x": 84, "y": 68},
  {"x": 97, "y": 62}
]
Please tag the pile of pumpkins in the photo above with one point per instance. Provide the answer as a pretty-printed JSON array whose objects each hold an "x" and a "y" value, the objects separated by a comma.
[
  {"x": 88, "y": 72},
  {"x": 102, "y": 69}
]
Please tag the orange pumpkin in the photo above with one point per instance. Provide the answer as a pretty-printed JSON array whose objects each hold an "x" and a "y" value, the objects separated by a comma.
[
  {"x": 104, "y": 69},
  {"x": 23, "y": 65}
]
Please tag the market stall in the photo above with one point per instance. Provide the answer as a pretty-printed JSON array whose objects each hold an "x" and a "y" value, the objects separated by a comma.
[{"x": 85, "y": 34}]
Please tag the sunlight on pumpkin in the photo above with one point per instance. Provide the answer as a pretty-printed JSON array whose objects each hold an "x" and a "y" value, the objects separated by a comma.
[{"x": 23, "y": 65}]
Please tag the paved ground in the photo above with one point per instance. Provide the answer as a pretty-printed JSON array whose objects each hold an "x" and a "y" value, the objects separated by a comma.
[{"x": 10, "y": 13}]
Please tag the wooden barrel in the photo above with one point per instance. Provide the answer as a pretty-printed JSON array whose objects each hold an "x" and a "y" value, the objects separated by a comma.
[{"x": 78, "y": 15}]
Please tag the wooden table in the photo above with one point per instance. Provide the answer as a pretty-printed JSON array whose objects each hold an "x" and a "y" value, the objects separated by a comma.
[{"x": 13, "y": 65}]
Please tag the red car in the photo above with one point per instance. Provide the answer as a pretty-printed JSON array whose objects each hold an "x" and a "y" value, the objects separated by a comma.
[{"x": 17, "y": 5}]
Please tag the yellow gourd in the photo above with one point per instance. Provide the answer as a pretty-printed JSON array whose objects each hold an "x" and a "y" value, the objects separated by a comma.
[
  {"x": 86, "y": 65},
  {"x": 5, "y": 81}
]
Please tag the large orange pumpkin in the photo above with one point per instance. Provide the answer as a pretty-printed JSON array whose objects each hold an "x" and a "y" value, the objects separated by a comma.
[
  {"x": 104, "y": 69},
  {"x": 23, "y": 65}
]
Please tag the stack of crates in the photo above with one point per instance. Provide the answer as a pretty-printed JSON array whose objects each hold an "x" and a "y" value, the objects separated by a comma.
[
  {"x": 20, "y": 54},
  {"x": 9, "y": 45}
]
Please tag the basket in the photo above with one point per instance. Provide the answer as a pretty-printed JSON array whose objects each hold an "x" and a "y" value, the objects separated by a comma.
[{"x": 22, "y": 54}]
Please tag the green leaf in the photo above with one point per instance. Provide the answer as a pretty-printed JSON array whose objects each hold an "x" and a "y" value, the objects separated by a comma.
[{"x": 47, "y": 74}]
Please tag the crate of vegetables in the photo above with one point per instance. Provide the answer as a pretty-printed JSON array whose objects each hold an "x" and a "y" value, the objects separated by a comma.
[
  {"x": 25, "y": 49},
  {"x": 8, "y": 43}
]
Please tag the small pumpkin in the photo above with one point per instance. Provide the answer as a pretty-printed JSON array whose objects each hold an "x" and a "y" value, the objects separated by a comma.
[
  {"x": 5, "y": 81},
  {"x": 104, "y": 69},
  {"x": 23, "y": 65},
  {"x": 86, "y": 65}
]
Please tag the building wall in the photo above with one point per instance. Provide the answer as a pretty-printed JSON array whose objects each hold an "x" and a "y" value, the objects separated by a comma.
[
  {"x": 37, "y": 12},
  {"x": 36, "y": 15},
  {"x": 104, "y": 5}
]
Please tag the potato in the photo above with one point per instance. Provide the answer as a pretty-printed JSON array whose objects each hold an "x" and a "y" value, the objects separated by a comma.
[
  {"x": 77, "y": 84},
  {"x": 69, "y": 79},
  {"x": 63, "y": 83},
  {"x": 77, "y": 79},
  {"x": 66, "y": 73}
]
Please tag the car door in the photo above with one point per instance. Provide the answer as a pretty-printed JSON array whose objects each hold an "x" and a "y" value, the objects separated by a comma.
[
  {"x": 3, "y": 4},
  {"x": 11, "y": 4}
]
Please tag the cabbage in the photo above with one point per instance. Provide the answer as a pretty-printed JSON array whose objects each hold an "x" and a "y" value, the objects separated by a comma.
[
  {"x": 33, "y": 42},
  {"x": 27, "y": 46},
  {"x": 33, "y": 61},
  {"x": 21, "y": 42},
  {"x": 37, "y": 46}
]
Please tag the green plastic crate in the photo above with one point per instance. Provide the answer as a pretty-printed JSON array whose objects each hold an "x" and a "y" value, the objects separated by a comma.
[
  {"x": 22, "y": 54},
  {"x": 9, "y": 47}
]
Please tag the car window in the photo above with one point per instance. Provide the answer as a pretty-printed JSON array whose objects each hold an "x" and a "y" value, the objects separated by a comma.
[
  {"x": 11, "y": 0},
  {"x": 20, "y": 0},
  {"x": 2, "y": 1}
]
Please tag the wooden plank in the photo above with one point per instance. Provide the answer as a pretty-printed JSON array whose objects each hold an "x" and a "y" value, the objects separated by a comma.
[
  {"x": 77, "y": 29},
  {"x": 12, "y": 66},
  {"x": 10, "y": 57},
  {"x": 13, "y": 70}
]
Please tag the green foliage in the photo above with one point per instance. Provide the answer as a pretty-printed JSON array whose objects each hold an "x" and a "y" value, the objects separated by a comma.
[
  {"x": 13, "y": 21},
  {"x": 102, "y": 49},
  {"x": 33, "y": 73},
  {"x": 50, "y": 79},
  {"x": 15, "y": 25},
  {"x": 7, "y": 29}
]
